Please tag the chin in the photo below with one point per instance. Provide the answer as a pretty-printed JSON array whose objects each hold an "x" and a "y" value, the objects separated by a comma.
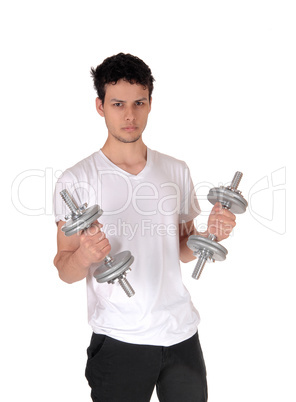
[{"x": 126, "y": 140}]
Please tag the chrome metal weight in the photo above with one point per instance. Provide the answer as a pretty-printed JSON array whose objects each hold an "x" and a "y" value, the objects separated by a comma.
[
  {"x": 113, "y": 268},
  {"x": 207, "y": 248},
  {"x": 230, "y": 197},
  {"x": 81, "y": 217}
]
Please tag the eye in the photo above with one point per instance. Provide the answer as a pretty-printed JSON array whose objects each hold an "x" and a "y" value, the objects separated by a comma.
[
  {"x": 139, "y": 103},
  {"x": 117, "y": 104}
]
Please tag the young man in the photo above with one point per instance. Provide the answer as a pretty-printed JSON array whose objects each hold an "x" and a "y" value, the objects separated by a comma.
[{"x": 149, "y": 207}]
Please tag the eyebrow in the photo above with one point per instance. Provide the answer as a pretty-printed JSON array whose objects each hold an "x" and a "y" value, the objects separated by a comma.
[{"x": 122, "y": 101}]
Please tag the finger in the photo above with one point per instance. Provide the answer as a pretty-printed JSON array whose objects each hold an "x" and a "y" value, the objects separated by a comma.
[
  {"x": 217, "y": 207},
  {"x": 105, "y": 251},
  {"x": 94, "y": 224},
  {"x": 93, "y": 230},
  {"x": 97, "y": 223},
  {"x": 101, "y": 236},
  {"x": 102, "y": 248},
  {"x": 104, "y": 244},
  {"x": 224, "y": 214},
  {"x": 220, "y": 223}
]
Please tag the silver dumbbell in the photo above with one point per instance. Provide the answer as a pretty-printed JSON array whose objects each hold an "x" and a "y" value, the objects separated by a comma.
[
  {"x": 207, "y": 248},
  {"x": 112, "y": 268}
]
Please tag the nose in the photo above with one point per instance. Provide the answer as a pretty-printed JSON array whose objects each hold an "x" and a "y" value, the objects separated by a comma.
[{"x": 129, "y": 114}]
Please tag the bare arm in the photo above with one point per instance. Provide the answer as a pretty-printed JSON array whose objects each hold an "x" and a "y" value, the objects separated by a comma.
[
  {"x": 185, "y": 230},
  {"x": 78, "y": 252}
]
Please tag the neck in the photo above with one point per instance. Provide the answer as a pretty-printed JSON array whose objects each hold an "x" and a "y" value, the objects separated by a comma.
[{"x": 131, "y": 157}]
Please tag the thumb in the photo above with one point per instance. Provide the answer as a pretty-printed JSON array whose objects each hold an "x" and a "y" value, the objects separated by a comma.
[{"x": 217, "y": 207}]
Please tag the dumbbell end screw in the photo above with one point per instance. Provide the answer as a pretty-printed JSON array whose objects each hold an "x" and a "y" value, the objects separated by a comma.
[
  {"x": 236, "y": 180},
  {"x": 70, "y": 202},
  {"x": 204, "y": 256},
  {"x": 126, "y": 286},
  {"x": 108, "y": 259},
  {"x": 201, "y": 262},
  {"x": 123, "y": 282}
]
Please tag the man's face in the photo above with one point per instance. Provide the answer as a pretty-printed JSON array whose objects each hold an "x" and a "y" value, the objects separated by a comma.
[{"x": 126, "y": 108}]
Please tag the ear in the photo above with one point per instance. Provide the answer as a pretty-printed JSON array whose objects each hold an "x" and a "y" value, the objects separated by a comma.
[
  {"x": 100, "y": 107},
  {"x": 150, "y": 102}
]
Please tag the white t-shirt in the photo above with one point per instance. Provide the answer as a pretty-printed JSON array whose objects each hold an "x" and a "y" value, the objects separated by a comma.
[{"x": 142, "y": 214}]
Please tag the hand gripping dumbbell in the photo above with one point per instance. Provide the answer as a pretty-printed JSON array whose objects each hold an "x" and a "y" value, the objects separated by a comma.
[
  {"x": 207, "y": 248},
  {"x": 111, "y": 268}
]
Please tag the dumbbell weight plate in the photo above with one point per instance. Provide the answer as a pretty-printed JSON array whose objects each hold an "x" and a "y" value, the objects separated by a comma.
[
  {"x": 108, "y": 271},
  {"x": 82, "y": 222},
  {"x": 199, "y": 243},
  {"x": 237, "y": 203}
]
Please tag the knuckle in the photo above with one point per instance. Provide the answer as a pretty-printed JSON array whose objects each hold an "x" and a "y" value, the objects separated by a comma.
[
  {"x": 105, "y": 243},
  {"x": 83, "y": 239},
  {"x": 94, "y": 230},
  {"x": 102, "y": 236},
  {"x": 99, "y": 255}
]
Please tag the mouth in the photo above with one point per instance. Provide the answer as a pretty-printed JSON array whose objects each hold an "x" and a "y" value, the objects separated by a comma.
[{"x": 129, "y": 128}]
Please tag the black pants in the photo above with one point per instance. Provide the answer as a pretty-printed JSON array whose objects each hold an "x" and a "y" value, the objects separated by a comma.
[{"x": 123, "y": 372}]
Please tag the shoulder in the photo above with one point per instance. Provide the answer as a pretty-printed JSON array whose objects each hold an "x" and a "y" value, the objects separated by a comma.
[
  {"x": 167, "y": 159},
  {"x": 84, "y": 168},
  {"x": 168, "y": 163}
]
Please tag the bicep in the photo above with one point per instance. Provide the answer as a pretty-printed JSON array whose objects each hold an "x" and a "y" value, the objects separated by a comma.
[{"x": 66, "y": 243}]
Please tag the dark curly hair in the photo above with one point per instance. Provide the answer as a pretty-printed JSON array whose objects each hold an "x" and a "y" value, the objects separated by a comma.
[{"x": 121, "y": 66}]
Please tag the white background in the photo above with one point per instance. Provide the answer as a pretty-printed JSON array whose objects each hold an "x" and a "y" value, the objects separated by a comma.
[{"x": 224, "y": 100}]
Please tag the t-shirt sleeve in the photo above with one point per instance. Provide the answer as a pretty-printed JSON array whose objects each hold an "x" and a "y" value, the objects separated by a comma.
[{"x": 189, "y": 208}]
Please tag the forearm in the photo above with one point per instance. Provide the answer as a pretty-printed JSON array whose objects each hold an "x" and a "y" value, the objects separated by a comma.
[
  {"x": 186, "y": 254},
  {"x": 71, "y": 266}
]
